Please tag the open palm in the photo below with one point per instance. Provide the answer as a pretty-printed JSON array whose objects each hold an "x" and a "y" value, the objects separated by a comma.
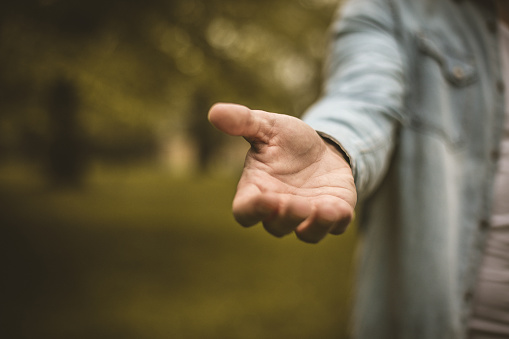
[{"x": 292, "y": 181}]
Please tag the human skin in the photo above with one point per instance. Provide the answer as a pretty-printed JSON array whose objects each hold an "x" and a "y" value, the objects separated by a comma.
[{"x": 293, "y": 181}]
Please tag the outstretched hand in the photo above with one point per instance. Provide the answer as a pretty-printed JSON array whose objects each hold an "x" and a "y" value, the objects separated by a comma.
[{"x": 293, "y": 181}]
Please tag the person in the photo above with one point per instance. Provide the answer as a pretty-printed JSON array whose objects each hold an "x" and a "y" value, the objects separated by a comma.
[{"x": 412, "y": 126}]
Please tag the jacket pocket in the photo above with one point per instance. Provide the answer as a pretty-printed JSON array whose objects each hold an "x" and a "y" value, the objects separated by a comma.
[{"x": 441, "y": 90}]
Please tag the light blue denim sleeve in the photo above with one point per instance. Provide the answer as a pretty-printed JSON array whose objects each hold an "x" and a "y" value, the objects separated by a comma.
[{"x": 362, "y": 104}]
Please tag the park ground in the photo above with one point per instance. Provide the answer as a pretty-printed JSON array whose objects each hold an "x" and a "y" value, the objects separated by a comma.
[{"x": 140, "y": 253}]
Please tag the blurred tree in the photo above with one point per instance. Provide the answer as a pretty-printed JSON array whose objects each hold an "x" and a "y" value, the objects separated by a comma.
[
  {"x": 66, "y": 157},
  {"x": 206, "y": 139},
  {"x": 139, "y": 63}
]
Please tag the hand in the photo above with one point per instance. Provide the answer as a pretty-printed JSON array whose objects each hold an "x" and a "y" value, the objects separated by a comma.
[{"x": 293, "y": 181}]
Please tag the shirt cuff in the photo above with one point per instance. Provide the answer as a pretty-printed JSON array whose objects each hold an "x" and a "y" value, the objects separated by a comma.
[{"x": 331, "y": 140}]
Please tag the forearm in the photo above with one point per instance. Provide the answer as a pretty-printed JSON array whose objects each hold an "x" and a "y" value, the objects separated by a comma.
[{"x": 362, "y": 104}]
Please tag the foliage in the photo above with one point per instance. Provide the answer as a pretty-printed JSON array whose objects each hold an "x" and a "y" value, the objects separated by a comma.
[{"x": 139, "y": 66}]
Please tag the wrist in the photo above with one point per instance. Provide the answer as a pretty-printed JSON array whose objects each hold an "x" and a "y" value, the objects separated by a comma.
[{"x": 335, "y": 148}]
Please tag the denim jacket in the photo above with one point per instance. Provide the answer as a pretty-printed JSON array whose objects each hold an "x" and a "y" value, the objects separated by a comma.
[{"x": 414, "y": 96}]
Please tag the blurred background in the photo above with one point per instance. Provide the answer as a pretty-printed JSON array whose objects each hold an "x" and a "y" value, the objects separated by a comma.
[{"x": 115, "y": 191}]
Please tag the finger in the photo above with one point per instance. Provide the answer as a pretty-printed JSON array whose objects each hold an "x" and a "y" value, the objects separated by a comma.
[
  {"x": 330, "y": 215},
  {"x": 291, "y": 213},
  {"x": 251, "y": 206},
  {"x": 340, "y": 226},
  {"x": 239, "y": 120}
]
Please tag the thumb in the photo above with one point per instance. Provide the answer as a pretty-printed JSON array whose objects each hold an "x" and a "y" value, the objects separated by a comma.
[{"x": 239, "y": 120}]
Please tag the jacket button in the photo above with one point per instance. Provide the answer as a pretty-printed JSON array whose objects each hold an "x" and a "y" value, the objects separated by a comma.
[
  {"x": 500, "y": 86},
  {"x": 458, "y": 72}
]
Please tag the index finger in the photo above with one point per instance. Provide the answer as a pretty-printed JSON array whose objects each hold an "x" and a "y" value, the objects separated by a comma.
[{"x": 251, "y": 206}]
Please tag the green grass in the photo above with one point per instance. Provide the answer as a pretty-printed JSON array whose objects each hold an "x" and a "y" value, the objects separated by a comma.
[{"x": 138, "y": 253}]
